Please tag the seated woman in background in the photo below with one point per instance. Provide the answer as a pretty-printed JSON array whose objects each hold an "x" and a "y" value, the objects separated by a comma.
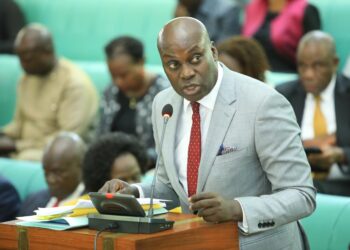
[
  {"x": 245, "y": 56},
  {"x": 278, "y": 25},
  {"x": 126, "y": 104},
  {"x": 113, "y": 156}
]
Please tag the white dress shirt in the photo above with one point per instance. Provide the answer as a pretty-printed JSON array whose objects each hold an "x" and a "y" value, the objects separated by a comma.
[
  {"x": 183, "y": 134},
  {"x": 327, "y": 108}
]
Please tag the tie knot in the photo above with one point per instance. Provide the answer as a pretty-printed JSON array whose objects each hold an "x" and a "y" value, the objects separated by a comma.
[
  {"x": 195, "y": 107},
  {"x": 317, "y": 98}
]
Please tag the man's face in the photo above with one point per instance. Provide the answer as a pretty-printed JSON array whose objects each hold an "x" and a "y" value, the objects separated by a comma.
[
  {"x": 126, "y": 168},
  {"x": 316, "y": 65},
  {"x": 127, "y": 75},
  {"x": 190, "y": 65},
  {"x": 62, "y": 175},
  {"x": 35, "y": 59}
]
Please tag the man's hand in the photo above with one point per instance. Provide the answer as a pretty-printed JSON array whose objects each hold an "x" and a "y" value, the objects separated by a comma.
[
  {"x": 321, "y": 141},
  {"x": 327, "y": 158},
  {"x": 213, "y": 208},
  {"x": 119, "y": 186}
]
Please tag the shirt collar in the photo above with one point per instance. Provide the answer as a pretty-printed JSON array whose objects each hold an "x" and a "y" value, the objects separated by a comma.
[
  {"x": 327, "y": 93},
  {"x": 209, "y": 100}
]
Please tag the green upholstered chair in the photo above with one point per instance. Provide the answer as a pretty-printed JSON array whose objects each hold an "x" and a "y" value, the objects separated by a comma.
[
  {"x": 27, "y": 177},
  {"x": 328, "y": 227},
  {"x": 10, "y": 71},
  {"x": 81, "y": 28},
  {"x": 335, "y": 17}
]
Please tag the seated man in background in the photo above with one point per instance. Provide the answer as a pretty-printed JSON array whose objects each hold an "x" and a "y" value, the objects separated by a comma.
[
  {"x": 113, "y": 155},
  {"x": 244, "y": 55},
  {"x": 9, "y": 200},
  {"x": 53, "y": 95},
  {"x": 62, "y": 163},
  {"x": 321, "y": 101},
  {"x": 220, "y": 17}
]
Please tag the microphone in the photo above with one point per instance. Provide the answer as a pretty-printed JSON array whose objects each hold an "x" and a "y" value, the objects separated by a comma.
[
  {"x": 123, "y": 213},
  {"x": 167, "y": 112}
]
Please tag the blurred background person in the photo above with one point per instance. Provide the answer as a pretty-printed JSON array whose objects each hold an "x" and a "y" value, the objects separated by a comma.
[
  {"x": 321, "y": 101},
  {"x": 53, "y": 95},
  {"x": 244, "y": 55},
  {"x": 220, "y": 17},
  {"x": 62, "y": 163},
  {"x": 10, "y": 202},
  {"x": 11, "y": 21},
  {"x": 126, "y": 104},
  {"x": 278, "y": 25},
  {"x": 113, "y": 155}
]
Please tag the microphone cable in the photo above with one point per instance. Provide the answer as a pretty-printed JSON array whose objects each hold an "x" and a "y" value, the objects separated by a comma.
[{"x": 109, "y": 227}]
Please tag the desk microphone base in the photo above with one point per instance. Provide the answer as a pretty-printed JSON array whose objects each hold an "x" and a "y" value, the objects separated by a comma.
[{"x": 129, "y": 224}]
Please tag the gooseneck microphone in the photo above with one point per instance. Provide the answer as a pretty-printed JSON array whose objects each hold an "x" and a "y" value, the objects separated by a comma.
[
  {"x": 167, "y": 112},
  {"x": 135, "y": 220}
]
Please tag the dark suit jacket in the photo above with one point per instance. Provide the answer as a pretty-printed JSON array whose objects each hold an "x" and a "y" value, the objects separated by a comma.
[
  {"x": 33, "y": 201},
  {"x": 296, "y": 95},
  {"x": 9, "y": 200}
]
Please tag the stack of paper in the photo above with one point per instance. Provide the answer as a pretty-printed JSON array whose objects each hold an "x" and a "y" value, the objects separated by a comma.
[
  {"x": 67, "y": 217},
  {"x": 60, "y": 218}
]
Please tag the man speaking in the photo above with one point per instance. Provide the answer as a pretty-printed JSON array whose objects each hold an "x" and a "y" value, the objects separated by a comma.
[{"x": 232, "y": 148}]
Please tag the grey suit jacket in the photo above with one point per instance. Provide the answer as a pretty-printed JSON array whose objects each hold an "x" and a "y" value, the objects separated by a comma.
[{"x": 268, "y": 172}]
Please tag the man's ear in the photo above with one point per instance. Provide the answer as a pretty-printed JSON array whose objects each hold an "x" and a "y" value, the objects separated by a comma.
[{"x": 214, "y": 51}]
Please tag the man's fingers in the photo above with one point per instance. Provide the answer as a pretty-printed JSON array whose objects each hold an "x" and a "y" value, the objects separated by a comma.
[
  {"x": 202, "y": 196},
  {"x": 205, "y": 212},
  {"x": 203, "y": 204},
  {"x": 112, "y": 186}
]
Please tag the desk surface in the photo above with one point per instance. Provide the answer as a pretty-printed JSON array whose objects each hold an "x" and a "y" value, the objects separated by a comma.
[{"x": 189, "y": 232}]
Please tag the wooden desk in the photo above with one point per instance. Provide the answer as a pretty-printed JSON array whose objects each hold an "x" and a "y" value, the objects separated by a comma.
[{"x": 189, "y": 233}]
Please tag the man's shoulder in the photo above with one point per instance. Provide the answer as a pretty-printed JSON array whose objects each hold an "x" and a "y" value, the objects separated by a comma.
[
  {"x": 288, "y": 88},
  {"x": 344, "y": 81},
  {"x": 73, "y": 74},
  {"x": 41, "y": 195},
  {"x": 165, "y": 94}
]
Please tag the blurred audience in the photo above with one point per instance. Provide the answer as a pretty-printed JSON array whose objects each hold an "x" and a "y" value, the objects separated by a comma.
[
  {"x": 10, "y": 202},
  {"x": 321, "y": 101},
  {"x": 126, "y": 104},
  {"x": 53, "y": 95},
  {"x": 11, "y": 21},
  {"x": 244, "y": 55},
  {"x": 62, "y": 163},
  {"x": 220, "y": 17},
  {"x": 114, "y": 155},
  {"x": 278, "y": 25}
]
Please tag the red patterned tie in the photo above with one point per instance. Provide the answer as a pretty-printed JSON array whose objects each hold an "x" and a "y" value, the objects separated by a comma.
[{"x": 194, "y": 150}]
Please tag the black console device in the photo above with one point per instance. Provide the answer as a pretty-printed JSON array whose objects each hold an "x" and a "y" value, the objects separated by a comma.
[{"x": 123, "y": 213}]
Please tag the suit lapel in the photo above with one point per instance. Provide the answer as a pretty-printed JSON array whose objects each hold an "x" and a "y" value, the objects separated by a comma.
[
  {"x": 222, "y": 116},
  {"x": 298, "y": 103}
]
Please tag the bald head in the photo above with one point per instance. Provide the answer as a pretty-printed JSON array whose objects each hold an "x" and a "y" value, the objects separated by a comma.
[
  {"x": 318, "y": 38},
  {"x": 62, "y": 164},
  {"x": 182, "y": 30},
  {"x": 38, "y": 34},
  {"x": 189, "y": 58},
  {"x": 67, "y": 146},
  {"x": 35, "y": 49}
]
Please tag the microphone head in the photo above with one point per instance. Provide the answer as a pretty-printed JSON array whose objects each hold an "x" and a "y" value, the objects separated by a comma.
[{"x": 167, "y": 111}]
